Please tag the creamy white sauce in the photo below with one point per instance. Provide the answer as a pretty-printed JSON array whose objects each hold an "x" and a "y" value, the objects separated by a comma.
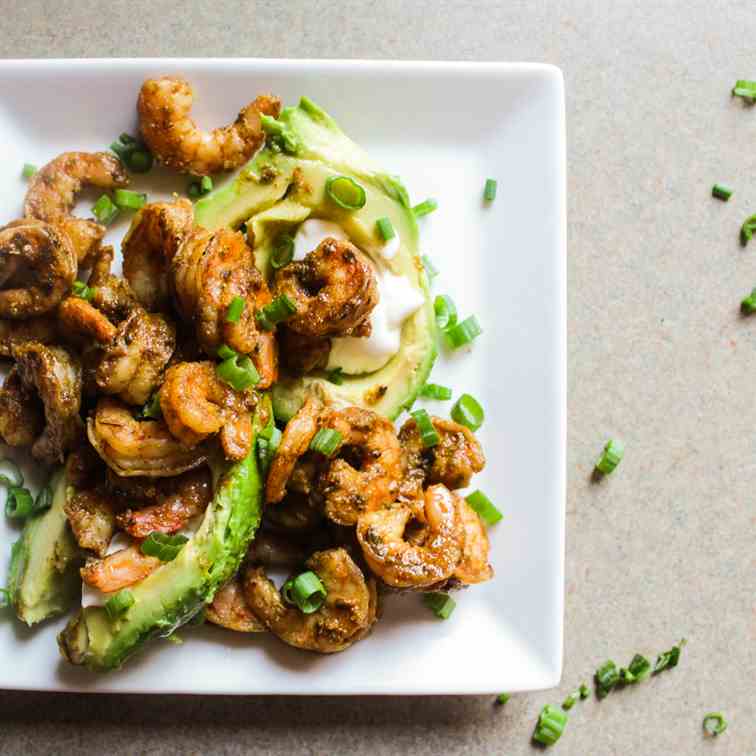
[
  {"x": 314, "y": 231},
  {"x": 391, "y": 247}
]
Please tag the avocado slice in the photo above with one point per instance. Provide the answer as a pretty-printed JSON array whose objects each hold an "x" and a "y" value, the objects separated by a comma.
[
  {"x": 276, "y": 191},
  {"x": 44, "y": 578},
  {"x": 177, "y": 590}
]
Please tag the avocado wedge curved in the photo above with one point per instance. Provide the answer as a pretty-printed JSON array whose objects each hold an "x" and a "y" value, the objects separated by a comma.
[
  {"x": 177, "y": 590},
  {"x": 277, "y": 191}
]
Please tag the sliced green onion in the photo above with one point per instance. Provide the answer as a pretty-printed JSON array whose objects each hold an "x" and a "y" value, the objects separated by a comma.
[
  {"x": 430, "y": 269},
  {"x": 463, "y": 333},
  {"x": 485, "y": 508},
  {"x": 747, "y": 229},
  {"x": 385, "y": 229},
  {"x": 129, "y": 200},
  {"x": 225, "y": 352},
  {"x": 345, "y": 192},
  {"x": 551, "y": 723},
  {"x": 282, "y": 135},
  {"x": 335, "y": 376},
  {"x": 607, "y": 676},
  {"x": 266, "y": 448},
  {"x": 280, "y": 309},
  {"x": 446, "y": 311},
  {"x": 104, "y": 210},
  {"x": 441, "y": 604},
  {"x": 720, "y": 191},
  {"x": 326, "y": 441},
  {"x": 238, "y": 372},
  {"x": 235, "y": 309},
  {"x": 425, "y": 207},
  {"x": 745, "y": 88},
  {"x": 305, "y": 591},
  {"x": 28, "y": 170},
  {"x": 139, "y": 161},
  {"x": 206, "y": 185},
  {"x": 584, "y": 691},
  {"x": 81, "y": 290},
  {"x": 12, "y": 475},
  {"x": 436, "y": 391},
  {"x": 44, "y": 500},
  {"x": 5, "y": 598},
  {"x": 568, "y": 702},
  {"x": 199, "y": 186},
  {"x": 163, "y": 546},
  {"x": 748, "y": 305},
  {"x": 489, "y": 190},
  {"x": 714, "y": 724},
  {"x": 19, "y": 503},
  {"x": 428, "y": 433},
  {"x": 610, "y": 457},
  {"x": 668, "y": 659},
  {"x": 151, "y": 409},
  {"x": 283, "y": 252},
  {"x": 468, "y": 412},
  {"x": 502, "y": 698},
  {"x": 117, "y": 605},
  {"x": 637, "y": 671}
]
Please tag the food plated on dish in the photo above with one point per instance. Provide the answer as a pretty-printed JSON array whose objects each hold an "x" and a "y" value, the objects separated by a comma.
[{"x": 225, "y": 409}]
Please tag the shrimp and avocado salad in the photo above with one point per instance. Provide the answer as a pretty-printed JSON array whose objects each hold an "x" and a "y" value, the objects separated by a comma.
[{"x": 225, "y": 407}]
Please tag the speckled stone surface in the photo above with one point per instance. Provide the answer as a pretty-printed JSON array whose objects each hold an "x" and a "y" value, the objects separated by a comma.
[{"x": 658, "y": 355}]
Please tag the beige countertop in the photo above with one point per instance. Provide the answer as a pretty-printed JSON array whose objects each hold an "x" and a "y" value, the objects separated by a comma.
[{"x": 658, "y": 355}]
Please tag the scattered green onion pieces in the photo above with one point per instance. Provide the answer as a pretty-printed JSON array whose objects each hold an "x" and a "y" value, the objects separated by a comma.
[
  {"x": 282, "y": 137},
  {"x": 747, "y": 229},
  {"x": 280, "y": 309},
  {"x": 345, "y": 192},
  {"x": 152, "y": 409},
  {"x": 468, "y": 412},
  {"x": 225, "y": 352},
  {"x": 81, "y": 290},
  {"x": 28, "y": 170},
  {"x": 44, "y": 500},
  {"x": 720, "y": 191},
  {"x": 485, "y": 508},
  {"x": 139, "y": 161},
  {"x": 489, "y": 191},
  {"x": 430, "y": 269},
  {"x": 714, "y": 724},
  {"x": 14, "y": 476},
  {"x": 283, "y": 252},
  {"x": 550, "y": 727},
  {"x": 117, "y": 605},
  {"x": 446, "y": 311},
  {"x": 569, "y": 702},
  {"x": 745, "y": 88},
  {"x": 163, "y": 546},
  {"x": 19, "y": 503},
  {"x": 385, "y": 229},
  {"x": 5, "y": 598},
  {"x": 235, "y": 309},
  {"x": 607, "y": 676},
  {"x": 126, "y": 199},
  {"x": 441, "y": 604},
  {"x": 668, "y": 659},
  {"x": 436, "y": 391},
  {"x": 104, "y": 210},
  {"x": 238, "y": 372},
  {"x": 610, "y": 457},
  {"x": 199, "y": 186},
  {"x": 335, "y": 376},
  {"x": 463, "y": 333},
  {"x": 133, "y": 153},
  {"x": 748, "y": 305},
  {"x": 326, "y": 441},
  {"x": 425, "y": 208},
  {"x": 584, "y": 691},
  {"x": 206, "y": 185},
  {"x": 305, "y": 591},
  {"x": 428, "y": 433},
  {"x": 637, "y": 671},
  {"x": 266, "y": 448},
  {"x": 502, "y": 698}
]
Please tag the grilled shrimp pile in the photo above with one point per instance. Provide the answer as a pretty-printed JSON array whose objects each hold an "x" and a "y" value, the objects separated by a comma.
[{"x": 136, "y": 381}]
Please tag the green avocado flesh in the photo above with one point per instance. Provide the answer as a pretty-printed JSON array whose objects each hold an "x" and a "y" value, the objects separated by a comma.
[
  {"x": 275, "y": 192},
  {"x": 177, "y": 590},
  {"x": 44, "y": 578}
]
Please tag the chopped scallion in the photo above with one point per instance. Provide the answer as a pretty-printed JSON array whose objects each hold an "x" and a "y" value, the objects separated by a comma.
[
  {"x": 747, "y": 229},
  {"x": 463, "y": 333},
  {"x": 551, "y": 723},
  {"x": 714, "y": 724},
  {"x": 610, "y": 457},
  {"x": 428, "y": 433},
  {"x": 744, "y": 88},
  {"x": 206, "y": 185},
  {"x": 502, "y": 698},
  {"x": 238, "y": 372},
  {"x": 637, "y": 671},
  {"x": 163, "y": 546},
  {"x": 28, "y": 170},
  {"x": 668, "y": 659},
  {"x": 569, "y": 702},
  {"x": 425, "y": 207},
  {"x": 124, "y": 198},
  {"x": 485, "y": 508},
  {"x": 446, "y": 311},
  {"x": 584, "y": 691},
  {"x": 283, "y": 252},
  {"x": 104, "y": 210},
  {"x": 326, "y": 441},
  {"x": 281, "y": 136},
  {"x": 468, "y": 412},
  {"x": 385, "y": 229},
  {"x": 441, "y": 604},
  {"x": 225, "y": 352},
  {"x": 117, "y": 605},
  {"x": 346, "y": 192},
  {"x": 720, "y": 191},
  {"x": 607, "y": 676},
  {"x": 305, "y": 591},
  {"x": 152, "y": 409},
  {"x": 335, "y": 376},
  {"x": 44, "y": 499},
  {"x": 280, "y": 309},
  {"x": 235, "y": 309},
  {"x": 489, "y": 190},
  {"x": 81, "y": 290},
  {"x": 748, "y": 305},
  {"x": 436, "y": 391}
]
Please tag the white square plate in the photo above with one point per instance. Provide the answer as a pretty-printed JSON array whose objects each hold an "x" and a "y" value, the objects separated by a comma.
[{"x": 444, "y": 128}]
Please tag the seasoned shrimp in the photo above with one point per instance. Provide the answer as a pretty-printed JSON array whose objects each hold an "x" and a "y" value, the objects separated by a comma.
[
  {"x": 272, "y": 550},
  {"x": 112, "y": 295},
  {"x": 131, "y": 447},
  {"x": 181, "y": 498},
  {"x": 43, "y": 329},
  {"x": 92, "y": 519},
  {"x": 295, "y": 441},
  {"x": 229, "y": 609},
  {"x": 334, "y": 289},
  {"x": 76, "y": 315},
  {"x": 119, "y": 570},
  {"x": 21, "y": 413},
  {"x": 55, "y": 373},
  {"x": 52, "y": 194},
  {"x": 453, "y": 461},
  {"x": 164, "y": 108},
  {"x": 473, "y": 567},
  {"x": 403, "y": 563},
  {"x": 211, "y": 269},
  {"x": 196, "y": 404},
  {"x": 297, "y": 513},
  {"x": 155, "y": 234},
  {"x": 368, "y": 468},
  {"x": 344, "y": 618},
  {"x": 37, "y": 268}
]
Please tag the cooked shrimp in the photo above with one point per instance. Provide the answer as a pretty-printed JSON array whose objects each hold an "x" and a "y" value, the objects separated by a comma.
[
  {"x": 297, "y": 513},
  {"x": 133, "y": 363},
  {"x": 295, "y": 441},
  {"x": 21, "y": 413},
  {"x": 92, "y": 520},
  {"x": 43, "y": 329},
  {"x": 84, "y": 468},
  {"x": 155, "y": 234},
  {"x": 181, "y": 498},
  {"x": 119, "y": 570},
  {"x": 55, "y": 373},
  {"x": 272, "y": 550},
  {"x": 37, "y": 268},
  {"x": 302, "y": 354},
  {"x": 112, "y": 294},
  {"x": 131, "y": 447},
  {"x": 368, "y": 469},
  {"x": 344, "y": 617},
  {"x": 334, "y": 289},
  {"x": 473, "y": 566},
  {"x": 52, "y": 194},
  {"x": 408, "y": 564},
  {"x": 78, "y": 316},
  {"x": 211, "y": 269},
  {"x": 229, "y": 609},
  {"x": 164, "y": 108},
  {"x": 453, "y": 461}
]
